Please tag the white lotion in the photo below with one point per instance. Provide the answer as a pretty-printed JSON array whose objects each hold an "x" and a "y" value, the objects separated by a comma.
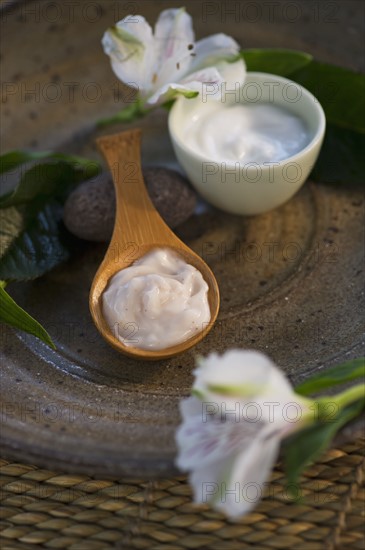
[
  {"x": 157, "y": 302},
  {"x": 247, "y": 133}
]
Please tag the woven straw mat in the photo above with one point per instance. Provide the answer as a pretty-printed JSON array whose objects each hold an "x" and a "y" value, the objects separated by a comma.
[{"x": 46, "y": 509}]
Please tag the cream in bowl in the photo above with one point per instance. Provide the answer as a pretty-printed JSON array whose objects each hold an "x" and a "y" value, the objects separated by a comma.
[
  {"x": 244, "y": 133},
  {"x": 252, "y": 150}
]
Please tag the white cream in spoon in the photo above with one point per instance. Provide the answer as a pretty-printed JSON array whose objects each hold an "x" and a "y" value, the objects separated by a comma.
[
  {"x": 247, "y": 133},
  {"x": 157, "y": 302}
]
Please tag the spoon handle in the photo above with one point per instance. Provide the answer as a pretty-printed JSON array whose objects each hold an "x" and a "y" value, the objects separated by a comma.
[{"x": 137, "y": 220}]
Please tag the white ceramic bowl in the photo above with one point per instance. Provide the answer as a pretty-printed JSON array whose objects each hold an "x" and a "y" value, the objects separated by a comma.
[{"x": 250, "y": 189}]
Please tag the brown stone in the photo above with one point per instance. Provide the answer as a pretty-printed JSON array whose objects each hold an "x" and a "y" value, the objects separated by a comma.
[{"x": 90, "y": 209}]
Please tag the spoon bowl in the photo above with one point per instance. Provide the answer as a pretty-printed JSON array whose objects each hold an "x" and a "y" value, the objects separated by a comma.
[{"x": 138, "y": 229}]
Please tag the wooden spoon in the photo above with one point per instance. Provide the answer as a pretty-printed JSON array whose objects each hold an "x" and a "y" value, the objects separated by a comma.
[{"x": 138, "y": 229}]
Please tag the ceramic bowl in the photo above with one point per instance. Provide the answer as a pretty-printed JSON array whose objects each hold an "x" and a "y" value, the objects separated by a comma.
[{"x": 250, "y": 188}]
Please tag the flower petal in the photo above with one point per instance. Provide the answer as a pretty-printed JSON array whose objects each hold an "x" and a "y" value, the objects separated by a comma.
[
  {"x": 191, "y": 407},
  {"x": 250, "y": 380},
  {"x": 288, "y": 412},
  {"x": 233, "y": 75},
  {"x": 198, "y": 79},
  {"x": 131, "y": 49},
  {"x": 190, "y": 86},
  {"x": 234, "y": 484},
  {"x": 174, "y": 41},
  {"x": 201, "y": 441},
  {"x": 246, "y": 370},
  {"x": 169, "y": 92},
  {"x": 206, "y": 480},
  {"x": 213, "y": 49},
  {"x": 251, "y": 469},
  {"x": 204, "y": 438}
]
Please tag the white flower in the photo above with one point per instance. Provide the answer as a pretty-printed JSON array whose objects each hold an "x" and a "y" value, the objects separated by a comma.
[
  {"x": 232, "y": 428},
  {"x": 167, "y": 62}
]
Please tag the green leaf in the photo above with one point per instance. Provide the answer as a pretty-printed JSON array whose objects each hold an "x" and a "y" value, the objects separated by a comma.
[
  {"x": 32, "y": 240},
  {"x": 11, "y": 224},
  {"x": 281, "y": 62},
  {"x": 307, "y": 445},
  {"x": 340, "y": 374},
  {"x": 341, "y": 159},
  {"x": 128, "y": 114},
  {"x": 13, "y": 159},
  {"x": 40, "y": 182},
  {"x": 44, "y": 181},
  {"x": 340, "y": 92},
  {"x": 38, "y": 245},
  {"x": 13, "y": 315}
]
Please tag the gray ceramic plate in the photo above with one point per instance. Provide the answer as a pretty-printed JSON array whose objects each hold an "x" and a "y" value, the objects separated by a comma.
[{"x": 290, "y": 280}]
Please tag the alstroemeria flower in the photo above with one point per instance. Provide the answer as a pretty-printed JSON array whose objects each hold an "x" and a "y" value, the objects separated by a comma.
[
  {"x": 166, "y": 62},
  {"x": 242, "y": 407}
]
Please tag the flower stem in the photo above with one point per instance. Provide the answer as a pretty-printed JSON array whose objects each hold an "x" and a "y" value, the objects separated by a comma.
[
  {"x": 128, "y": 114},
  {"x": 349, "y": 396},
  {"x": 341, "y": 400}
]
